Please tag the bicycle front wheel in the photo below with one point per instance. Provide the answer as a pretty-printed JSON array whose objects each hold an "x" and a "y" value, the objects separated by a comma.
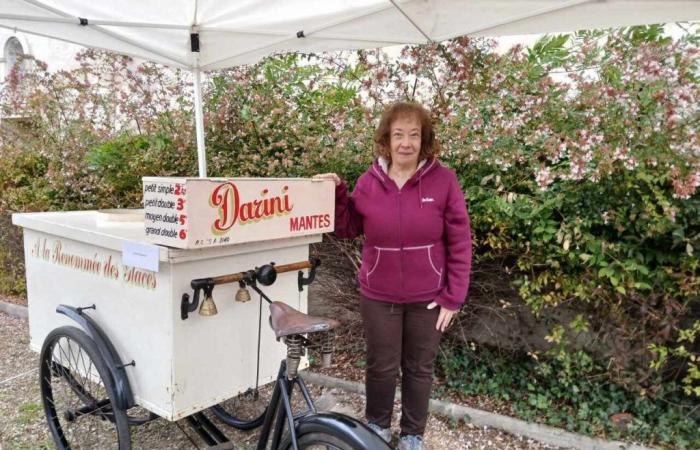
[{"x": 318, "y": 440}]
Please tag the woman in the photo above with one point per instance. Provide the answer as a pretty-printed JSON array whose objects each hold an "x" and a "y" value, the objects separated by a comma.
[{"x": 416, "y": 262}]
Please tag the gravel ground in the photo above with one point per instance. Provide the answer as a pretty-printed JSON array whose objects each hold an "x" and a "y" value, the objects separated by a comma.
[{"x": 23, "y": 426}]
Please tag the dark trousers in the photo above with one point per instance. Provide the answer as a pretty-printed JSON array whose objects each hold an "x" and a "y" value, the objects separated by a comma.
[{"x": 399, "y": 335}]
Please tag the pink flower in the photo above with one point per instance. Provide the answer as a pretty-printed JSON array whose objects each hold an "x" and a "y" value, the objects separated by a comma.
[{"x": 543, "y": 177}]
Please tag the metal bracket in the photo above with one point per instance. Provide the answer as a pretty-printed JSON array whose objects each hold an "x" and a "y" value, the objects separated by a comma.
[
  {"x": 187, "y": 306},
  {"x": 305, "y": 281},
  {"x": 83, "y": 308},
  {"x": 132, "y": 364},
  {"x": 194, "y": 42}
]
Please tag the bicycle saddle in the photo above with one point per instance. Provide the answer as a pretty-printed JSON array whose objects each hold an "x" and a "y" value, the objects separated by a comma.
[{"x": 286, "y": 321}]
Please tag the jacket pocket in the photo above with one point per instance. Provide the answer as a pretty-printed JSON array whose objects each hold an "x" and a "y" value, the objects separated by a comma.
[
  {"x": 422, "y": 269},
  {"x": 384, "y": 271}
]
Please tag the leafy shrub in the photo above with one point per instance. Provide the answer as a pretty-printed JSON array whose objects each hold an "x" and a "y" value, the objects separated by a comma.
[{"x": 572, "y": 392}]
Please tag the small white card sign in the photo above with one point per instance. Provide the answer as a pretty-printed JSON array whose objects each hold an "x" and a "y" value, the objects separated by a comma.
[{"x": 142, "y": 256}]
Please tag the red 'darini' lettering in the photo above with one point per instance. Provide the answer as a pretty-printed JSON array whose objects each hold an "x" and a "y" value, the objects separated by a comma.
[{"x": 227, "y": 199}]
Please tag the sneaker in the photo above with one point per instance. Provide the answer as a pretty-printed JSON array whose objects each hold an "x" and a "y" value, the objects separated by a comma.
[
  {"x": 384, "y": 433},
  {"x": 411, "y": 442}
]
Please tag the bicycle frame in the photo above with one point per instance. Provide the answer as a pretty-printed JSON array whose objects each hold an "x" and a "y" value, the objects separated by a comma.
[
  {"x": 281, "y": 396},
  {"x": 279, "y": 412}
]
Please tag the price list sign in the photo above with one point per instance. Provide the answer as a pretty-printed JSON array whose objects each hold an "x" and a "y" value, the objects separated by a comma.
[
  {"x": 205, "y": 212},
  {"x": 165, "y": 210}
]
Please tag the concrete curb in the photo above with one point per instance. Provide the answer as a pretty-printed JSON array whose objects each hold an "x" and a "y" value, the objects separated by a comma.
[
  {"x": 14, "y": 310},
  {"x": 542, "y": 433}
]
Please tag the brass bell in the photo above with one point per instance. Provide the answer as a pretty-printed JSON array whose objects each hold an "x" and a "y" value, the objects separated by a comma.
[
  {"x": 208, "y": 307},
  {"x": 243, "y": 294}
]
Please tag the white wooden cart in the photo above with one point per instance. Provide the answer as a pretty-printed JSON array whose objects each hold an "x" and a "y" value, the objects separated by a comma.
[{"x": 112, "y": 297}]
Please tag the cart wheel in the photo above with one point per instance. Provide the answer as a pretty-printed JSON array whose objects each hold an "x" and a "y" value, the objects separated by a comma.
[
  {"x": 247, "y": 411},
  {"x": 78, "y": 394}
]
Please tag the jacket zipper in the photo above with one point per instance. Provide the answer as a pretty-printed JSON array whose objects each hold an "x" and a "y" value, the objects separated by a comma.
[{"x": 400, "y": 244}]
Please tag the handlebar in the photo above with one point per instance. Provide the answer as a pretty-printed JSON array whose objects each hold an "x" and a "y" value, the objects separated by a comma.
[
  {"x": 256, "y": 274},
  {"x": 265, "y": 275}
]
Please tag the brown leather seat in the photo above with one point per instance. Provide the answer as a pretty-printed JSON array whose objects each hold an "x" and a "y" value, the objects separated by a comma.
[{"x": 286, "y": 321}]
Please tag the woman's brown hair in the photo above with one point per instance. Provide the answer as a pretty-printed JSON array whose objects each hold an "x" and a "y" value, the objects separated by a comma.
[{"x": 429, "y": 146}]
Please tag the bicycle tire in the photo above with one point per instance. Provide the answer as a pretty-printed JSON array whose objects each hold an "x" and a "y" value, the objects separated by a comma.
[
  {"x": 320, "y": 440},
  {"x": 71, "y": 366}
]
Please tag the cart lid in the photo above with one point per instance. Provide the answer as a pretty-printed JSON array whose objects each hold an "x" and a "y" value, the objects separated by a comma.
[{"x": 96, "y": 228}]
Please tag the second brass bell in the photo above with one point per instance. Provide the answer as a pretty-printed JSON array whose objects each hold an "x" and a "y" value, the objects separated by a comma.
[{"x": 243, "y": 295}]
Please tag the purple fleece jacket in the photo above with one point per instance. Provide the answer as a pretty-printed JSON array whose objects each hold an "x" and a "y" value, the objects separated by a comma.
[{"x": 417, "y": 239}]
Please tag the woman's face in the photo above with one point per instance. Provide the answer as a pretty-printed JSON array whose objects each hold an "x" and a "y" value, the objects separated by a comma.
[{"x": 405, "y": 141}]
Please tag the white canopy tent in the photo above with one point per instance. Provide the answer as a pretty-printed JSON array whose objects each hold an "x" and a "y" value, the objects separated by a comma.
[{"x": 205, "y": 35}]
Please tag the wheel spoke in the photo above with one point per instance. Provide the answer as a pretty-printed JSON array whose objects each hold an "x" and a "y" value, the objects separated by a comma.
[{"x": 62, "y": 353}]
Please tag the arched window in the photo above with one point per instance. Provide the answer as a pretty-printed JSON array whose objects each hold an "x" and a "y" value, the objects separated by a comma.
[{"x": 13, "y": 50}]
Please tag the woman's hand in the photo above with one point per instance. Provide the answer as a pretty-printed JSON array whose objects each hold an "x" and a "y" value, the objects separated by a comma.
[
  {"x": 328, "y": 176},
  {"x": 444, "y": 318}
]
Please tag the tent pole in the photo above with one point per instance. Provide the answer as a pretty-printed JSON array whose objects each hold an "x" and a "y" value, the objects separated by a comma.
[{"x": 199, "y": 123}]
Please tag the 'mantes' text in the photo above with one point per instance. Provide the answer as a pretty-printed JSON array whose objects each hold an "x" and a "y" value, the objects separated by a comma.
[{"x": 309, "y": 222}]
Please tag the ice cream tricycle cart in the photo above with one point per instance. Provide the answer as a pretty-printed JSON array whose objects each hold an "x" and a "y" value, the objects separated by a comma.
[{"x": 113, "y": 301}]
